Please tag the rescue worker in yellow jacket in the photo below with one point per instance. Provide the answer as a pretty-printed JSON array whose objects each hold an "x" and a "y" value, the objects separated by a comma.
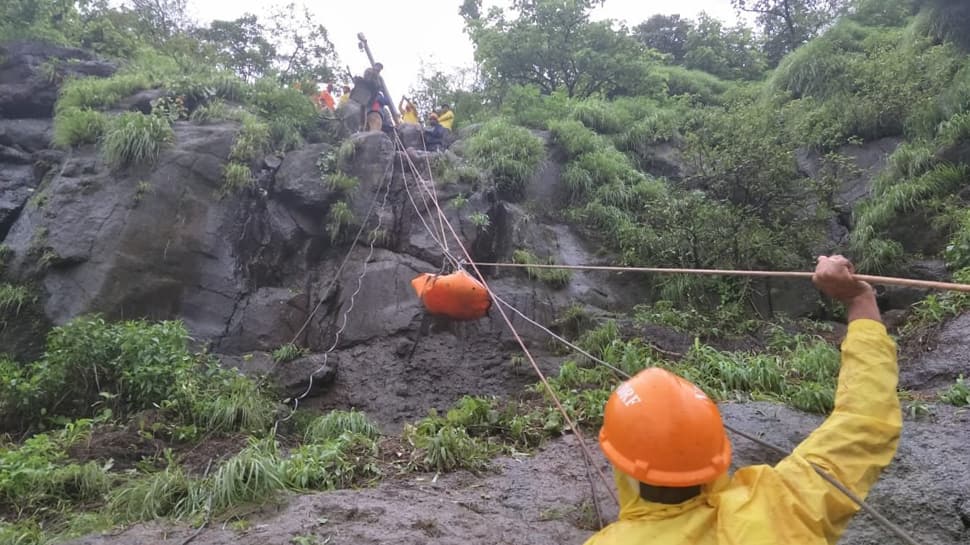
[
  {"x": 670, "y": 453},
  {"x": 409, "y": 114},
  {"x": 446, "y": 117}
]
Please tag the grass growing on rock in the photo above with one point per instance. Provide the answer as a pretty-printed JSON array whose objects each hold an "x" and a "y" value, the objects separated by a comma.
[
  {"x": 135, "y": 138},
  {"x": 76, "y": 126},
  {"x": 13, "y": 298},
  {"x": 509, "y": 155},
  {"x": 556, "y": 278}
]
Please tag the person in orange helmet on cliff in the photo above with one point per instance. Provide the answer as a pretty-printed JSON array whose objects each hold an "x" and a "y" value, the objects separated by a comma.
[{"x": 671, "y": 455}]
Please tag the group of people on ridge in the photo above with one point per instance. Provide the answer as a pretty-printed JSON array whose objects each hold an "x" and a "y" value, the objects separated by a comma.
[{"x": 378, "y": 107}]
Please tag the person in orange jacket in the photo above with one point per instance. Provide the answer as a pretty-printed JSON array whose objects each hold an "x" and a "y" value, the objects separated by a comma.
[
  {"x": 325, "y": 99},
  {"x": 670, "y": 453}
]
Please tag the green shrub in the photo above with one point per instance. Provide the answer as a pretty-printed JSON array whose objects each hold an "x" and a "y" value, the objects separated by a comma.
[
  {"x": 556, "y": 278},
  {"x": 508, "y": 154},
  {"x": 528, "y": 107},
  {"x": 599, "y": 116},
  {"x": 34, "y": 476},
  {"x": 288, "y": 353},
  {"x": 91, "y": 365},
  {"x": 252, "y": 141},
  {"x": 252, "y": 476},
  {"x": 573, "y": 137},
  {"x": 283, "y": 108},
  {"x": 151, "y": 497},
  {"x": 214, "y": 110},
  {"x": 91, "y": 93},
  {"x": 958, "y": 394},
  {"x": 74, "y": 126},
  {"x": 338, "y": 218},
  {"x": 335, "y": 463},
  {"x": 135, "y": 138},
  {"x": 13, "y": 298},
  {"x": 699, "y": 85},
  {"x": 338, "y": 181},
  {"x": 823, "y": 67},
  {"x": 337, "y": 423},
  {"x": 233, "y": 403},
  {"x": 236, "y": 177},
  {"x": 447, "y": 448}
]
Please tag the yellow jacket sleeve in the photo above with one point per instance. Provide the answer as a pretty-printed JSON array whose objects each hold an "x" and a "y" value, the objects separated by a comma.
[
  {"x": 447, "y": 119},
  {"x": 857, "y": 440}
]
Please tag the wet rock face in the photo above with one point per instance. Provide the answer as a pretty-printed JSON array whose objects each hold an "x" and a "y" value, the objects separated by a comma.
[
  {"x": 30, "y": 74},
  {"x": 939, "y": 368},
  {"x": 145, "y": 242}
]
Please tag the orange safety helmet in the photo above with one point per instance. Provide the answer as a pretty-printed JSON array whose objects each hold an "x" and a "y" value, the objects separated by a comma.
[
  {"x": 663, "y": 430},
  {"x": 457, "y": 295}
]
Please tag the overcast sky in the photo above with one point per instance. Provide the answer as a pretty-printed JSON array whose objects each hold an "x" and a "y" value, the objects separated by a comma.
[{"x": 403, "y": 33}]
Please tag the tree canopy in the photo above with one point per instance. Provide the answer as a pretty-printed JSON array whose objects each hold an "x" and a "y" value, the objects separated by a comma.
[
  {"x": 787, "y": 24},
  {"x": 553, "y": 45}
]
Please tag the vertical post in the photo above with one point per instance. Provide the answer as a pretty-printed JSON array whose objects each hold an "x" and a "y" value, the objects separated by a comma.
[{"x": 370, "y": 58}]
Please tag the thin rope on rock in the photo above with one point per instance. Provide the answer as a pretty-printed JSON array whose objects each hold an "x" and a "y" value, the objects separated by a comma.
[
  {"x": 360, "y": 279},
  {"x": 353, "y": 246}
]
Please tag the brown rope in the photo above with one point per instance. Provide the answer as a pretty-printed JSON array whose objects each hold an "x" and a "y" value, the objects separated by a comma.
[{"x": 882, "y": 280}]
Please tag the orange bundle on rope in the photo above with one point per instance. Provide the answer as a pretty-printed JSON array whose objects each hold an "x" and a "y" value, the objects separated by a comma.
[{"x": 457, "y": 295}]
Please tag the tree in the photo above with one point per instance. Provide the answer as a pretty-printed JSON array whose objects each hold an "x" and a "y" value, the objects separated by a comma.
[
  {"x": 787, "y": 24},
  {"x": 461, "y": 89},
  {"x": 161, "y": 19},
  {"x": 665, "y": 33},
  {"x": 303, "y": 47},
  {"x": 730, "y": 53},
  {"x": 241, "y": 46},
  {"x": 552, "y": 44}
]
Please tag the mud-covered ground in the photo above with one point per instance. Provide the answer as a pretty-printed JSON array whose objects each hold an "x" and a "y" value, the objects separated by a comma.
[{"x": 546, "y": 499}]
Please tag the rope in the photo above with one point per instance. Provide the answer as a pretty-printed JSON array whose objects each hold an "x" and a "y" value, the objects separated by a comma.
[
  {"x": 883, "y": 280},
  {"x": 360, "y": 279},
  {"x": 518, "y": 338},
  {"x": 343, "y": 263}
]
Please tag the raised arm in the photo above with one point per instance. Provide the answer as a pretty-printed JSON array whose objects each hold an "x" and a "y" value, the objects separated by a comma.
[{"x": 859, "y": 438}]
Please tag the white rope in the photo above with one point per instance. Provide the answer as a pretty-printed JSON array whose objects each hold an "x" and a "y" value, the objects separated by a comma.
[{"x": 360, "y": 279}]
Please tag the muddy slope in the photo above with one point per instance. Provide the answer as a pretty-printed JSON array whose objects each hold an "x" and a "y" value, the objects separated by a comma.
[{"x": 546, "y": 498}]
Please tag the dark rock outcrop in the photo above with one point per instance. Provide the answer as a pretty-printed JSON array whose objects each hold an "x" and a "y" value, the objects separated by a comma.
[
  {"x": 30, "y": 73},
  {"x": 151, "y": 243}
]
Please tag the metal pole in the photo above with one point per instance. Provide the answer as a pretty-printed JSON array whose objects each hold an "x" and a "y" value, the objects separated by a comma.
[{"x": 370, "y": 57}]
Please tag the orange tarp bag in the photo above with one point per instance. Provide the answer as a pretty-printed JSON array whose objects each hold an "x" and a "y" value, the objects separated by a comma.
[{"x": 457, "y": 295}]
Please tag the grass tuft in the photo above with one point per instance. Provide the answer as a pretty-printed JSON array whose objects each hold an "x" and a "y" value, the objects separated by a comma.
[
  {"x": 135, "y": 138},
  {"x": 75, "y": 126},
  {"x": 337, "y": 423}
]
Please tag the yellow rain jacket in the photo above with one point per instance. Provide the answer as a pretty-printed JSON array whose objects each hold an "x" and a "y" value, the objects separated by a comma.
[
  {"x": 447, "y": 119},
  {"x": 410, "y": 116},
  {"x": 787, "y": 503}
]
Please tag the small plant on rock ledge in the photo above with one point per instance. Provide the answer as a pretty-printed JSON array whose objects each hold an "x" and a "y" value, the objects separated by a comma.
[
  {"x": 135, "y": 138},
  {"x": 340, "y": 216},
  {"x": 236, "y": 176},
  {"x": 480, "y": 220},
  {"x": 958, "y": 394},
  {"x": 288, "y": 353}
]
